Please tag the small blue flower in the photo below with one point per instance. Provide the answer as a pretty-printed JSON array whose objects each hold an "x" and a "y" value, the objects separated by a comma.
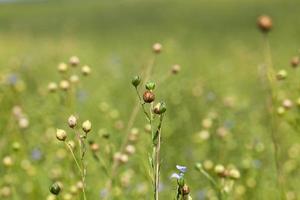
[
  {"x": 176, "y": 176},
  {"x": 36, "y": 154},
  {"x": 182, "y": 169}
]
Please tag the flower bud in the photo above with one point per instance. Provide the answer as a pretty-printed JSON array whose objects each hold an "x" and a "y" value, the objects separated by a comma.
[
  {"x": 264, "y": 23},
  {"x": 150, "y": 85},
  {"x": 86, "y": 70},
  {"x": 175, "y": 69},
  {"x": 280, "y": 110},
  {"x": 281, "y": 75},
  {"x": 55, "y": 188},
  {"x": 52, "y": 87},
  {"x": 74, "y": 61},
  {"x": 72, "y": 121},
  {"x": 64, "y": 85},
  {"x": 160, "y": 108},
  {"x": 86, "y": 126},
  {"x": 148, "y": 96},
  {"x": 16, "y": 146},
  {"x": 198, "y": 166},
  {"x": 136, "y": 80},
  {"x": 61, "y": 134},
  {"x": 157, "y": 48},
  {"x": 62, "y": 67},
  {"x": 295, "y": 61}
]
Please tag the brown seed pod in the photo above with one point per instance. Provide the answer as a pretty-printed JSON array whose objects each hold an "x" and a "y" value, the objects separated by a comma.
[
  {"x": 185, "y": 190},
  {"x": 264, "y": 23},
  {"x": 295, "y": 61},
  {"x": 148, "y": 96},
  {"x": 157, "y": 48}
]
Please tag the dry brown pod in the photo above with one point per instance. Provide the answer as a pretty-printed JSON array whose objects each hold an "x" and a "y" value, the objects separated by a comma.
[{"x": 264, "y": 23}]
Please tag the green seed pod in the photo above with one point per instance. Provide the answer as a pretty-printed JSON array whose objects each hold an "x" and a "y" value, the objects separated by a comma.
[
  {"x": 16, "y": 146},
  {"x": 160, "y": 108},
  {"x": 150, "y": 85},
  {"x": 281, "y": 75},
  {"x": 55, "y": 188},
  {"x": 198, "y": 166},
  {"x": 136, "y": 80}
]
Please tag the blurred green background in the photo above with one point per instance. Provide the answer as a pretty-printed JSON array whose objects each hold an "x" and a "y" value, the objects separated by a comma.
[{"x": 220, "y": 52}]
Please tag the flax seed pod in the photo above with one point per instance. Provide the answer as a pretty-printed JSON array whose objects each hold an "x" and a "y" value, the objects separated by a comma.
[{"x": 264, "y": 23}]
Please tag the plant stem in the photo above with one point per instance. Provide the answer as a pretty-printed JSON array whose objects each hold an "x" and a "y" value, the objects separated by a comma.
[
  {"x": 130, "y": 123},
  {"x": 156, "y": 149},
  {"x": 270, "y": 103},
  {"x": 81, "y": 170}
]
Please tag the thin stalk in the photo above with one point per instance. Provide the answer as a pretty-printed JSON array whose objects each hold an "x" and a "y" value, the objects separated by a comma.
[
  {"x": 157, "y": 158},
  {"x": 130, "y": 123},
  {"x": 271, "y": 102},
  {"x": 81, "y": 170}
]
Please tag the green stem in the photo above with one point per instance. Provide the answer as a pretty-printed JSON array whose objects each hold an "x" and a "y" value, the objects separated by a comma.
[{"x": 274, "y": 122}]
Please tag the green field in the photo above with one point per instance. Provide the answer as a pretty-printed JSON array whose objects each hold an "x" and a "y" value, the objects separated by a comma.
[{"x": 222, "y": 57}]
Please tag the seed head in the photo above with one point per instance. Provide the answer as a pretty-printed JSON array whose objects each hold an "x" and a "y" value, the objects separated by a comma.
[
  {"x": 64, "y": 85},
  {"x": 220, "y": 170},
  {"x": 160, "y": 108},
  {"x": 72, "y": 121},
  {"x": 5, "y": 192},
  {"x": 23, "y": 122},
  {"x": 185, "y": 190},
  {"x": 62, "y": 67},
  {"x": 86, "y": 126},
  {"x": 55, "y": 188},
  {"x": 52, "y": 87},
  {"x": 136, "y": 80},
  {"x": 94, "y": 147},
  {"x": 148, "y": 96},
  {"x": 175, "y": 69},
  {"x": 150, "y": 85},
  {"x": 287, "y": 104},
  {"x": 234, "y": 174},
  {"x": 86, "y": 70},
  {"x": 130, "y": 149},
  {"x": 7, "y": 161},
  {"x": 74, "y": 61},
  {"x": 157, "y": 48},
  {"x": 295, "y": 61},
  {"x": 61, "y": 134},
  {"x": 281, "y": 75},
  {"x": 74, "y": 79},
  {"x": 280, "y": 110},
  {"x": 79, "y": 185},
  {"x": 264, "y": 23},
  {"x": 16, "y": 146}
]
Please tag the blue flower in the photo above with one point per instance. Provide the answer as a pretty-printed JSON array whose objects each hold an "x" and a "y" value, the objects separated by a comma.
[{"x": 181, "y": 168}]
